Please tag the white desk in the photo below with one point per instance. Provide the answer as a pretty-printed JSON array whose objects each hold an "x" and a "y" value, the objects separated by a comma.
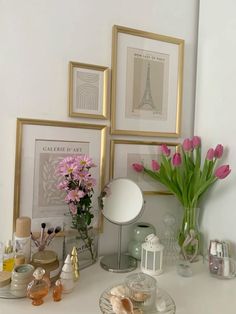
[{"x": 199, "y": 294}]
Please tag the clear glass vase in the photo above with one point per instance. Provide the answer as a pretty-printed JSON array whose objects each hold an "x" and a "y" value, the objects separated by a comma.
[
  {"x": 189, "y": 235},
  {"x": 83, "y": 237}
]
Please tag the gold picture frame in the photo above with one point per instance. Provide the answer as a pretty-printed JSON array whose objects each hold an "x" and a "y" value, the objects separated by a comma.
[
  {"x": 147, "y": 81},
  {"x": 125, "y": 152},
  {"x": 88, "y": 90},
  {"x": 39, "y": 146}
]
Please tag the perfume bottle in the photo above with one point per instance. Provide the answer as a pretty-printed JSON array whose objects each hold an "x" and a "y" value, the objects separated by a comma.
[
  {"x": 57, "y": 291},
  {"x": 8, "y": 257},
  {"x": 38, "y": 288}
]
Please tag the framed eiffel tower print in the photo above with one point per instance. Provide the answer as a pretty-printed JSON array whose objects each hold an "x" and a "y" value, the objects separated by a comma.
[{"x": 147, "y": 79}]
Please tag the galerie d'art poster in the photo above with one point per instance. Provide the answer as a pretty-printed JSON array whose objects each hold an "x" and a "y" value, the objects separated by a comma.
[{"x": 48, "y": 201}]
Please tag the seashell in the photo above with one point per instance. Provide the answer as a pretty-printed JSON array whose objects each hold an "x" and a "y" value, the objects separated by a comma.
[
  {"x": 121, "y": 305},
  {"x": 118, "y": 291},
  {"x": 161, "y": 305},
  {"x": 140, "y": 296},
  {"x": 127, "y": 305}
]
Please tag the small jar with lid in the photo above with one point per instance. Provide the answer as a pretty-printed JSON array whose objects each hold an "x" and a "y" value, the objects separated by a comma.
[
  {"x": 38, "y": 288},
  {"x": 49, "y": 261},
  {"x": 141, "y": 289},
  {"x": 20, "y": 278}
]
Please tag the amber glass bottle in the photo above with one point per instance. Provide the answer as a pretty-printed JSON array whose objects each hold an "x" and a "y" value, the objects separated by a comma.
[
  {"x": 57, "y": 291},
  {"x": 38, "y": 288}
]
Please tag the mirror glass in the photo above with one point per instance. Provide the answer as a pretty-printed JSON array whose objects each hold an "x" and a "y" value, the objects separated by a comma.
[{"x": 123, "y": 201}]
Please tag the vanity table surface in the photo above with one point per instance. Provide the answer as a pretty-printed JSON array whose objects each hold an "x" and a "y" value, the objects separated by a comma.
[{"x": 199, "y": 294}]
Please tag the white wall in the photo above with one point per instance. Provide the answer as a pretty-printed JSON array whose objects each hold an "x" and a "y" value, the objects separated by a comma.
[
  {"x": 39, "y": 37},
  {"x": 216, "y": 110}
]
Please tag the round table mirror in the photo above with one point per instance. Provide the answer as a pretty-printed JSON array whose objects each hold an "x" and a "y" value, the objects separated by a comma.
[{"x": 122, "y": 204}]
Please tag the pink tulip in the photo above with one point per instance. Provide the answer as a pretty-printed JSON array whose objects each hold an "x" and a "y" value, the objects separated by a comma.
[
  {"x": 210, "y": 154},
  {"x": 155, "y": 165},
  {"x": 138, "y": 167},
  {"x": 219, "y": 151},
  {"x": 196, "y": 141},
  {"x": 176, "y": 160},
  {"x": 165, "y": 150},
  {"x": 222, "y": 171},
  {"x": 187, "y": 145}
]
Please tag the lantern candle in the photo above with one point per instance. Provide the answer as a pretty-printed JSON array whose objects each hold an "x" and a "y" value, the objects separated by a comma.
[{"x": 152, "y": 255}]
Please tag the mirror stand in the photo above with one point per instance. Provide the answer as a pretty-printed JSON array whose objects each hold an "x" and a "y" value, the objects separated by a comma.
[
  {"x": 122, "y": 203},
  {"x": 117, "y": 262}
]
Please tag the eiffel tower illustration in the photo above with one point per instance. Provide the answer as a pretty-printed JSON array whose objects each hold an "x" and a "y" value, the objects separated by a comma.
[{"x": 147, "y": 96}]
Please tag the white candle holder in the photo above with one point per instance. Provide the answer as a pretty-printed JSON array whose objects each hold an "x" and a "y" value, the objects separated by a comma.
[{"x": 152, "y": 256}]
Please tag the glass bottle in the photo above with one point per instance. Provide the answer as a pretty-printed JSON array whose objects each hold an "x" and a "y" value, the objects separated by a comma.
[
  {"x": 57, "y": 291},
  {"x": 172, "y": 250},
  {"x": 8, "y": 257},
  {"x": 38, "y": 288}
]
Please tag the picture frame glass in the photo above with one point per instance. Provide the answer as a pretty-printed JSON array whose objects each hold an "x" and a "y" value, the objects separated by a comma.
[
  {"x": 146, "y": 84},
  {"x": 88, "y": 90},
  {"x": 125, "y": 153},
  {"x": 42, "y": 147}
]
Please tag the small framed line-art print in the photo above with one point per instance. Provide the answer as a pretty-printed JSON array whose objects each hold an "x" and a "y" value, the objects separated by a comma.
[
  {"x": 88, "y": 90},
  {"x": 40, "y": 145},
  {"x": 126, "y": 152},
  {"x": 147, "y": 79}
]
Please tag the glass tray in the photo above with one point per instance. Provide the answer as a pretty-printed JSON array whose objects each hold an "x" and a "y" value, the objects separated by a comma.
[
  {"x": 5, "y": 293},
  {"x": 162, "y": 298}
]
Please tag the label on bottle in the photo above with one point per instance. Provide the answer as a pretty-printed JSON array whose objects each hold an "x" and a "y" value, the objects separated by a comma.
[
  {"x": 23, "y": 245},
  {"x": 54, "y": 273}
]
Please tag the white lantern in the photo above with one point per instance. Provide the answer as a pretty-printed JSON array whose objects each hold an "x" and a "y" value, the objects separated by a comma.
[{"x": 152, "y": 255}]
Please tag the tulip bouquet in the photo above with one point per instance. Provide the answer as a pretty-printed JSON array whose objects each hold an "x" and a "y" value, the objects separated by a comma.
[
  {"x": 182, "y": 173},
  {"x": 187, "y": 177},
  {"x": 78, "y": 184}
]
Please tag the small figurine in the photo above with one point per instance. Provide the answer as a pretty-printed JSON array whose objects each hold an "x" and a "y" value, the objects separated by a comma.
[
  {"x": 38, "y": 288},
  {"x": 75, "y": 263},
  {"x": 67, "y": 276},
  {"x": 190, "y": 239},
  {"x": 57, "y": 291}
]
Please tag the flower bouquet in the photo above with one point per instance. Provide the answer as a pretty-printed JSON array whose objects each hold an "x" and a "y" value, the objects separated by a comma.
[
  {"x": 78, "y": 184},
  {"x": 188, "y": 178}
]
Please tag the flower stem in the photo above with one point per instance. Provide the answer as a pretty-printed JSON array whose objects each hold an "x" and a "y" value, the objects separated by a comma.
[{"x": 88, "y": 241}]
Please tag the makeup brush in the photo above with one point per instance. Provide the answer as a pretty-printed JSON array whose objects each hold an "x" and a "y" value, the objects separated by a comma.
[
  {"x": 43, "y": 244},
  {"x": 49, "y": 232},
  {"x": 36, "y": 242},
  {"x": 43, "y": 226},
  {"x": 57, "y": 229}
]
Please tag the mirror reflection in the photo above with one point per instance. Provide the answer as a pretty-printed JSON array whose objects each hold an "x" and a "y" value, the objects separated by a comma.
[{"x": 123, "y": 201}]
